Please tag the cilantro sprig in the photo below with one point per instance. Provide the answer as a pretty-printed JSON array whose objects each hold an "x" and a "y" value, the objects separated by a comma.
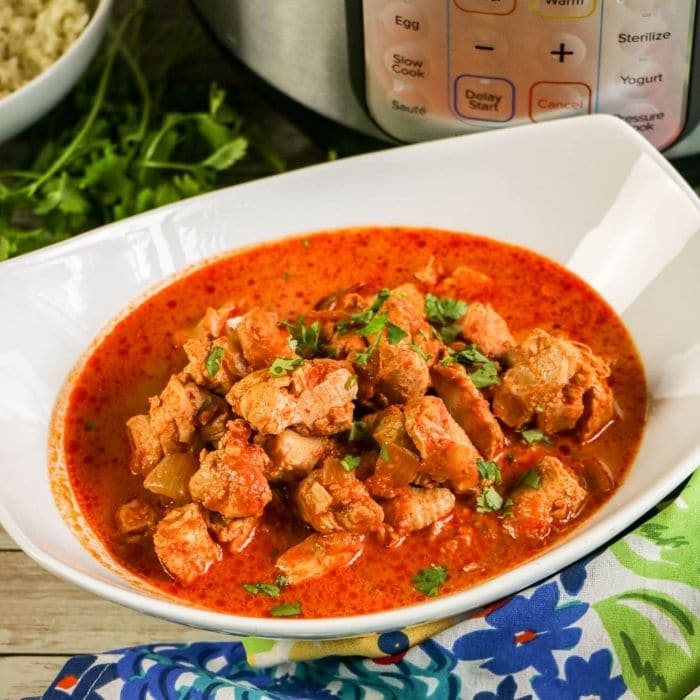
[
  {"x": 535, "y": 435},
  {"x": 126, "y": 140},
  {"x": 350, "y": 462},
  {"x": 372, "y": 322},
  {"x": 282, "y": 365},
  {"x": 286, "y": 609},
  {"x": 305, "y": 340},
  {"x": 442, "y": 313},
  {"x": 213, "y": 362},
  {"x": 430, "y": 580},
  {"x": 482, "y": 371}
]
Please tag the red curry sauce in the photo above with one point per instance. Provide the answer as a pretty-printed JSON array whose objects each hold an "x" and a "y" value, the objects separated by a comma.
[{"x": 136, "y": 358}]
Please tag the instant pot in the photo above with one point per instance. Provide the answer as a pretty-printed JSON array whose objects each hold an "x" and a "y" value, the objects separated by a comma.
[{"x": 411, "y": 70}]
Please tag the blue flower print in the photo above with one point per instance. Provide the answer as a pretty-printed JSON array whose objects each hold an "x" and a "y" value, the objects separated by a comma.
[
  {"x": 582, "y": 679},
  {"x": 526, "y": 632},
  {"x": 505, "y": 691}
]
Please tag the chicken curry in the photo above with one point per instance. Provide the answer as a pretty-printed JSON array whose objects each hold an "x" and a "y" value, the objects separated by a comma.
[{"x": 352, "y": 422}]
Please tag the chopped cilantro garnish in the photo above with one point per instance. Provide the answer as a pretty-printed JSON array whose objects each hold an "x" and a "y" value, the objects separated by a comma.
[
  {"x": 485, "y": 375},
  {"x": 350, "y": 462},
  {"x": 304, "y": 339},
  {"x": 286, "y": 610},
  {"x": 489, "y": 500},
  {"x": 419, "y": 351},
  {"x": 351, "y": 381},
  {"x": 443, "y": 310},
  {"x": 507, "y": 510},
  {"x": 489, "y": 471},
  {"x": 394, "y": 334},
  {"x": 282, "y": 580},
  {"x": 430, "y": 580},
  {"x": 213, "y": 362},
  {"x": 533, "y": 435},
  {"x": 306, "y": 243},
  {"x": 269, "y": 589},
  {"x": 531, "y": 478},
  {"x": 359, "y": 432},
  {"x": 482, "y": 371},
  {"x": 384, "y": 453},
  {"x": 282, "y": 365}
]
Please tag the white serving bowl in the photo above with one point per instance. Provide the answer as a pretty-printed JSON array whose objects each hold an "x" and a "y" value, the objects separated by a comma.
[
  {"x": 32, "y": 101},
  {"x": 588, "y": 192}
]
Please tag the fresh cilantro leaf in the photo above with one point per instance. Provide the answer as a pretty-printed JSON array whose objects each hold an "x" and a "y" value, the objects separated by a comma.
[
  {"x": 470, "y": 355},
  {"x": 531, "y": 478},
  {"x": 286, "y": 610},
  {"x": 485, "y": 375},
  {"x": 443, "y": 310},
  {"x": 269, "y": 589},
  {"x": 533, "y": 435},
  {"x": 489, "y": 471},
  {"x": 381, "y": 297},
  {"x": 350, "y": 462},
  {"x": 489, "y": 500},
  {"x": 351, "y": 381},
  {"x": 281, "y": 365},
  {"x": 384, "y": 453},
  {"x": 282, "y": 580},
  {"x": 375, "y": 325},
  {"x": 429, "y": 581},
  {"x": 306, "y": 338},
  {"x": 213, "y": 362},
  {"x": 394, "y": 334}
]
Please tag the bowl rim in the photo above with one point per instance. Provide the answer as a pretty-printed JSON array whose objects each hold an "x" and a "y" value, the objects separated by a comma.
[
  {"x": 336, "y": 627},
  {"x": 96, "y": 20}
]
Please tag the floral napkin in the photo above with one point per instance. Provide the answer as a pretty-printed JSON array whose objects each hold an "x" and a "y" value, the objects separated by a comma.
[{"x": 622, "y": 623}]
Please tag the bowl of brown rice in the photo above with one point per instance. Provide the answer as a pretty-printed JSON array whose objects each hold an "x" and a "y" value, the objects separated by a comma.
[{"x": 45, "y": 46}]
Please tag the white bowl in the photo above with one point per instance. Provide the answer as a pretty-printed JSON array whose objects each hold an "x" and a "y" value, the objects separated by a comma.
[
  {"x": 588, "y": 192},
  {"x": 21, "y": 108}
]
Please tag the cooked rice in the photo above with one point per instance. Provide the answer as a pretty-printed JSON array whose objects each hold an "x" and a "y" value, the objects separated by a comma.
[{"x": 34, "y": 34}]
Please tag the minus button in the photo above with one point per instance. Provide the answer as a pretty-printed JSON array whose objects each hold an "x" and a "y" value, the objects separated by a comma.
[{"x": 479, "y": 47}]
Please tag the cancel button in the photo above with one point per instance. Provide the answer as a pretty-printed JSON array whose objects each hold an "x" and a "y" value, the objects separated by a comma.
[{"x": 484, "y": 98}]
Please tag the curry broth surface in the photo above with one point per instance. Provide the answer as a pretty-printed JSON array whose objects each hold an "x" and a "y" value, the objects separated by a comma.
[{"x": 135, "y": 360}]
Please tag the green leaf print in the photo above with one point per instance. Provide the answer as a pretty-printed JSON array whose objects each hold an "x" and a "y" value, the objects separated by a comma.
[
  {"x": 657, "y": 641},
  {"x": 668, "y": 546}
]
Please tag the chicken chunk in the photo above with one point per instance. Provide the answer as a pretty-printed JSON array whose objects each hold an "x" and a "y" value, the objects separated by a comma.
[
  {"x": 463, "y": 283},
  {"x": 415, "y": 508},
  {"x": 318, "y": 555},
  {"x": 332, "y": 498},
  {"x": 395, "y": 469},
  {"x": 262, "y": 339},
  {"x": 447, "y": 453},
  {"x": 558, "y": 497},
  {"x": 486, "y": 328},
  {"x": 293, "y": 456},
  {"x": 231, "y": 480},
  {"x": 174, "y": 414},
  {"x": 314, "y": 399},
  {"x": 396, "y": 374},
  {"x": 136, "y": 518},
  {"x": 552, "y": 380},
  {"x": 469, "y": 408},
  {"x": 146, "y": 450},
  {"x": 214, "y": 364},
  {"x": 236, "y": 534},
  {"x": 183, "y": 544}
]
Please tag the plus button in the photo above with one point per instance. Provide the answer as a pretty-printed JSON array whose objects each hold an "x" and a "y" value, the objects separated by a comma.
[{"x": 561, "y": 52}]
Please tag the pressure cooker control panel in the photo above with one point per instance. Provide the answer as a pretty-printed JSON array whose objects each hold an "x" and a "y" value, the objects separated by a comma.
[{"x": 441, "y": 67}]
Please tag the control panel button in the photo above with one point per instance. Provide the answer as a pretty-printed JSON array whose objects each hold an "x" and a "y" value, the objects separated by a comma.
[
  {"x": 484, "y": 98},
  {"x": 644, "y": 35},
  {"x": 563, "y": 49},
  {"x": 487, "y": 7},
  {"x": 402, "y": 19},
  {"x": 408, "y": 101},
  {"x": 552, "y": 99},
  {"x": 650, "y": 120},
  {"x": 565, "y": 9},
  {"x": 406, "y": 61},
  {"x": 639, "y": 78},
  {"x": 482, "y": 46}
]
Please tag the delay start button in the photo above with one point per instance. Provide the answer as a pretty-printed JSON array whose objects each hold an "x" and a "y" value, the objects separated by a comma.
[{"x": 484, "y": 98}]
